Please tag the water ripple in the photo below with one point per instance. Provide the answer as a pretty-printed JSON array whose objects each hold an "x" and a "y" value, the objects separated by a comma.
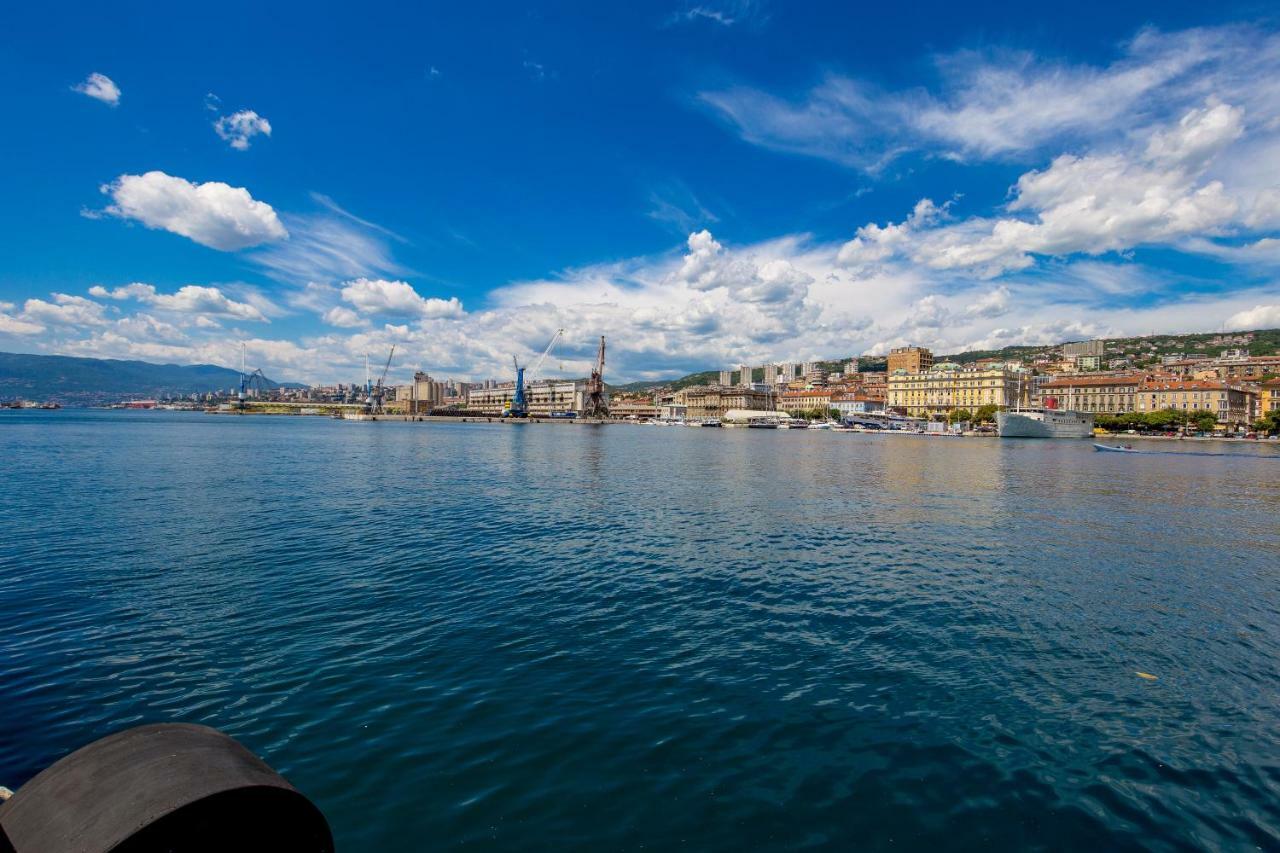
[{"x": 506, "y": 637}]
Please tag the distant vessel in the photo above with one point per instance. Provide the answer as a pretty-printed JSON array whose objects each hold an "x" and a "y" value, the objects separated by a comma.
[
  {"x": 1114, "y": 449},
  {"x": 1044, "y": 423}
]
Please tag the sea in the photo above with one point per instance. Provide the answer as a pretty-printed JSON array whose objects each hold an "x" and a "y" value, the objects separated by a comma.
[{"x": 570, "y": 637}]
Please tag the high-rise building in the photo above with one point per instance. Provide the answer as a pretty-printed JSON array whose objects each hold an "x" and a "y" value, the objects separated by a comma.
[
  {"x": 1081, "y": 348},
  {"x": 744, "y": 375},
  {"x": 771, "y": 374},
  {"x": 909, "y": 360},
  {"x": 726, "y": 378}
]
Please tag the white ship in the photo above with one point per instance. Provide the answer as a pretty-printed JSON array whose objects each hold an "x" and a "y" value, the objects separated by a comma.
[{"x": 1044, "y": 423}]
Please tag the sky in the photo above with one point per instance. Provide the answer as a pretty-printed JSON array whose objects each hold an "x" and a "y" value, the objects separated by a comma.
[{"x": 704, "y": 183}]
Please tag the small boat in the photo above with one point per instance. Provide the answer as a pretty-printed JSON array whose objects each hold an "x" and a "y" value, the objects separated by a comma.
[{"x": 1113, "y": 448}]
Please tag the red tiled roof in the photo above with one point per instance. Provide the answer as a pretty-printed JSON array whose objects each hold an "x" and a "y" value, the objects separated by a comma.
[{"x": 1083, "y": 381}]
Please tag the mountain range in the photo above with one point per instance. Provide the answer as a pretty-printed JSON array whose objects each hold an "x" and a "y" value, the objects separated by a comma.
[{"x": 69, "y": 379}]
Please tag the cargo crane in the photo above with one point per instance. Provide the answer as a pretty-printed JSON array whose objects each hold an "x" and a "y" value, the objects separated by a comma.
[
  {"x": 519, "y": 407},
  {"x": 374, "y": 394},
  {"x": 595, "y": 406},
  {"x": 249, "y": 381}
]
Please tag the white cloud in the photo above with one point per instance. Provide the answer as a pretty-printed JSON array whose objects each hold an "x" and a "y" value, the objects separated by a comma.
[
  {"x": 100, "y": 87},
  {"x": 10, "y": 325},
  {"x": 1006, "y": 104},
  {"x": 238, "y": 128},
  {"x": 64, "y": 310},
  {"x": 874, "y": 243},
  {"x": 212, "y": 214},
  {"x": 708, "y": 267},
  {"x": 1257, "y": 317},
  {"x": 1156, "y": 193},
  {"x": 397, "y": 299},
  {"x": 343, "y": 318},
  {"x": 994, "y": 303},
  {"x": 323, "y": 249},
  {"x": 189, "y": 299}
]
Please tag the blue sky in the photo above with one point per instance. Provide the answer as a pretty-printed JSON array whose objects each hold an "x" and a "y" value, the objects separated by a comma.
[{"x": 705, "y": 183}]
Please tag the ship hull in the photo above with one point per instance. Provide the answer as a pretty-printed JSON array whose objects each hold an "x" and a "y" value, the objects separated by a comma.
[{"x": 1052, "y": 424}]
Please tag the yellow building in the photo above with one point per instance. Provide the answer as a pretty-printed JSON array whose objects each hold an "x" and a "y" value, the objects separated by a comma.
[
  {"x": 804, "y": 401},
  {"x": 947, "y": 386},
  {"x": 1233, "y": 405},
  {"x": 910, "y": 360},
  {"x": 1269, "y": 397}
]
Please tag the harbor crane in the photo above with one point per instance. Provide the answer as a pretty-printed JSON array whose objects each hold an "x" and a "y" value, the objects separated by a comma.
[
  {"x": 519, "y": 406},
  {"x": 595, "y": 406},
  {"x": 374, "y": 394},
  {"x": 255, "y": 381}
]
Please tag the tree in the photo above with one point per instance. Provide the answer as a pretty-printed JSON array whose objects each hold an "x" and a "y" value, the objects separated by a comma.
[
  {"x": 1204, "y": 420},
  {"x": 1166, "y": 419},
  {"x": 1269, "y": 424},
  {"x": 986, "y": 414},
  {"x": 959, "y": 416}
]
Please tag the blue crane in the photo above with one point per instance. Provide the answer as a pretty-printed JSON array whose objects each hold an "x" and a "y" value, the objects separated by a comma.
[{"x": 519, "y": 407}]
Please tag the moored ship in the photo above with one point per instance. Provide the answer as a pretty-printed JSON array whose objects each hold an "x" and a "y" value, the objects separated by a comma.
[{"x": 1044, "y": 423}]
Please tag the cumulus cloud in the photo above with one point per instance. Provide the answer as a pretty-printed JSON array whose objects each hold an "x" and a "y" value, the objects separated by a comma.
[
  {"x": 1257, "y": 317},
  {"x": 10, "y": 325},
  {"x": 1090, "y": 204},
  {"x": 64, "y": 310},
  {"x": 994, "y": 303},
  {"x": 238, "y": 128},
  {"x": 397, "y": 299},
  {"x": 188, "y": 299},
  {"x": 343, "y": 318},
  {"x": 100, "y": 87},
  {"x": 770, "y": 281},
  {"x": 212, "y": 214},
  {"x": 874, "y": 243}
]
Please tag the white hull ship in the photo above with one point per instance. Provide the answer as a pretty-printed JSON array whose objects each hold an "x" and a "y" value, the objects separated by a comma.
[{"x": 1044, "y": 423}]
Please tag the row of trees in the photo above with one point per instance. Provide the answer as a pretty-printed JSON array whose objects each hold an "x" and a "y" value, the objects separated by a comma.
[
  {"x": 1166, "y": 420},
  {"x": 984, "y": 415}
]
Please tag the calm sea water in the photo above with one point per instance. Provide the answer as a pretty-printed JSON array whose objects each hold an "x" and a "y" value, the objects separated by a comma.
[{"x": 548, "y": 637}]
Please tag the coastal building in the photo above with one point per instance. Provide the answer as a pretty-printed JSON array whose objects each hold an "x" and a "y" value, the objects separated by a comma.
[
  {"x": 1269, "y": 397},
  {"x": 912, "y": 360},
  {"x": 856, "y": 404},
  {"x": 947, "y": 386},
  {"x": 636, "y": 408},
  {"x": 804, "y": 401},
  {"x": 1234, "y": 405},
  {"x": 543, "y": 397},
  {"x": 1097, "y": 394},
  {"x": 712, "y": 401}
]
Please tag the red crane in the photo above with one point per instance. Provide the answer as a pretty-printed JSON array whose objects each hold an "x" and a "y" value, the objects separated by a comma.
[{"x": 596, "y": 406}]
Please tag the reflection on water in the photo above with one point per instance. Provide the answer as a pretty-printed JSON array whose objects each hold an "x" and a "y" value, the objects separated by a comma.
[{"x": 562, "y": 636}]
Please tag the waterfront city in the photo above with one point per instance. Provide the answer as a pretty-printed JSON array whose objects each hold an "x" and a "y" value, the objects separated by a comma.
[{"x": 688, "y": 425}]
